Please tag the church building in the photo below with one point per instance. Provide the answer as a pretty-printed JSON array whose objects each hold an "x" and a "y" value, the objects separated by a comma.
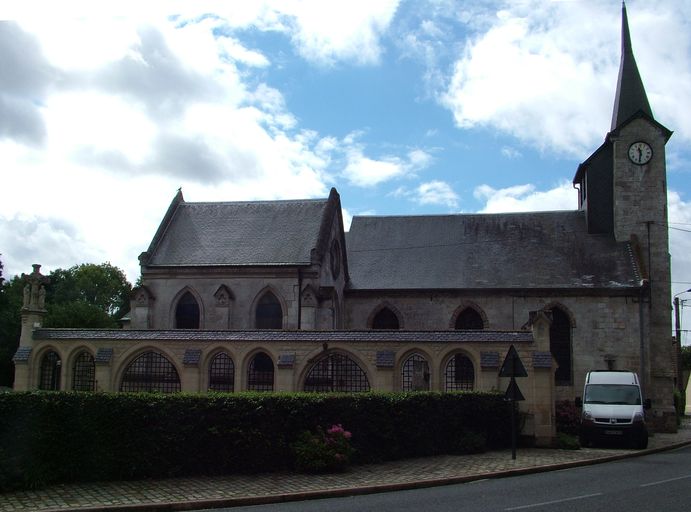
[{"x": 276, "y": 296}]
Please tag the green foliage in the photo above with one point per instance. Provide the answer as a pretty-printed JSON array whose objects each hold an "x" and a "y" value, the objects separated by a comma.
[
  {"x": 679, "y": 405},
  {"x": 10, "y": 326},
  {"x": 64, "y": 437},
  {"x": 568, "y": 417},
  {"x": 87, "y": 295},
  {"x": 567, "y": 441},
  {"x": 323, "y": 451},
  {"x": 686, "y": 357}
]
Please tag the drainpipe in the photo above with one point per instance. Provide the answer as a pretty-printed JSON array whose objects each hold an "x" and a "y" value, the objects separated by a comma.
[{"x": 299, "y": 299}]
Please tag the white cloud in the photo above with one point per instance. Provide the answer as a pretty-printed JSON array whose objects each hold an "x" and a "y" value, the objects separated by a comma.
[
  {"x": 328, "y": 32},
  {"x": 540, "y": 74},
  {"x": 364, "y": 171},
  {"x": 437, "y": 193},
  {"x": 511, "y": 153},
  {"x": 525, "y": 198}
]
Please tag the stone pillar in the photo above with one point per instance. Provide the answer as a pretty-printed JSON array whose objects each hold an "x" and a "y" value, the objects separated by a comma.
[
  {"x": 542, "y": 381},
  {"x": 32, "y": 313}
]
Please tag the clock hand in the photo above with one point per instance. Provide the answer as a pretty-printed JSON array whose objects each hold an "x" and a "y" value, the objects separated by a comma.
[{"x": 640, "y": 154}]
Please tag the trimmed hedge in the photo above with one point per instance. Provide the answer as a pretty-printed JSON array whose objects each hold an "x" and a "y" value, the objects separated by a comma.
[{"x": 50, "y": 437}]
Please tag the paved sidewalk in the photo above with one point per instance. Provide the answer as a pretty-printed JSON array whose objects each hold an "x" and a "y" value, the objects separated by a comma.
[{"x": 235, "y": 490}]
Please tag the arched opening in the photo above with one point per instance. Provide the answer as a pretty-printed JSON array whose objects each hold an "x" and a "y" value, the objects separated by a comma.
[
  {"x": 260, "y": 373},
  {"x": 469, "y": 318},
  {"x": 336, "y": 372},
  {"x": 269, "y": 314},
  {"x": 385, "y": 319},
  {"x": 560, "y": 346},
  {"x": 187, "y": 312},
  {"x": 459, "y": 374},
  {"x": 51, "y": 364},
  {"x": 415, "y": 374},
  {"x": 222, "y": 373},
  {"x": 84, "y": 372},
  {"x": 150, "y": 372}
]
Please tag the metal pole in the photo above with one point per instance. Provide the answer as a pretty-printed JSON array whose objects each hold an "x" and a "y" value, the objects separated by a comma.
[
  {"x": 513, "y": 428},
  {"x": 677, "y": 329}
]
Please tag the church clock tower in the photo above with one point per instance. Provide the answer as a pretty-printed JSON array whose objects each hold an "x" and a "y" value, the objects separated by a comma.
[{"x": 623, "y": 192}]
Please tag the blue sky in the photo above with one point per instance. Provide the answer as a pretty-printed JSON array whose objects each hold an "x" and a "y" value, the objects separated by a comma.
[{"x": 406, "y": 107}]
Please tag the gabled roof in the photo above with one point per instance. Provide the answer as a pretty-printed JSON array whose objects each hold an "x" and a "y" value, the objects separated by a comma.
[
  {"x": 550, "y": 250},
  {"x": 248, "y": 233},
  {"x": 630, "y": 96}
]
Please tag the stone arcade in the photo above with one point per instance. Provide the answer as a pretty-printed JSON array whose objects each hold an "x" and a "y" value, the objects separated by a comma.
[{"x": 276, "y": 296}]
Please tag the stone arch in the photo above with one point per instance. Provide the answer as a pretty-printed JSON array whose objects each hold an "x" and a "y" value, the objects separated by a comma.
[
  {"x": 81, "y": 371},
  {"x": 458, "y": 371},
  {"x": 381, "y": 309},
  {"x": 462, "y": 309},
  {"x": 49, "y": 368},
  {"x": 561, "y": 342},
  {"x": 185, "y": 293},
  {"x": 220, "y": 372},
  {"x": 160, "y": 378},
  {"x": 409, "y": 376},
  {"x": 335, "y": 370},
  {"x": 257, "y": 376},
  {"x": 270, "y": 311}
]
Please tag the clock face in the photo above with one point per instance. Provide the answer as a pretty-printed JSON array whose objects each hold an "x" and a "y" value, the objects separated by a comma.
[{"x": 640, "y": 153}]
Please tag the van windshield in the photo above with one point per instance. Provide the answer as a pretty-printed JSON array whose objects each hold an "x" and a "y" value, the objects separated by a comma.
[{"x": 612, "y": 394}]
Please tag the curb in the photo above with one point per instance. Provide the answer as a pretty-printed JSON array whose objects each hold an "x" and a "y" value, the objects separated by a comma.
[{"x": 358, "y": 491}]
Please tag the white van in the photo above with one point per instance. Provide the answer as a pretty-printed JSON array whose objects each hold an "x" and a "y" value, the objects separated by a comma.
[{"x": 613, "y": 408}]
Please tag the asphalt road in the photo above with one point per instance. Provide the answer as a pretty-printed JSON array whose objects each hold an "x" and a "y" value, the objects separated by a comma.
[{"x": 648, "y": 483}]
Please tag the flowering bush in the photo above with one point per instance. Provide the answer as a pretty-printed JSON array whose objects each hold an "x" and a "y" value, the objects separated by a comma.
[{"x": 323, "y": 452}]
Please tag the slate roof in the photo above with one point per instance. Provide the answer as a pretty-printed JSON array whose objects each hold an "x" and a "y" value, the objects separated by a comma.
[
  {"x": 238, "y": 233},
  {"x": 550, "y": 250},
  {"x": 371, "y": 336}
]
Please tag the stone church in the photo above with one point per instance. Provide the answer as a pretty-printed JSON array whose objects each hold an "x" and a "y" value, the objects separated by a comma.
[{"x": 276, "y": 296}]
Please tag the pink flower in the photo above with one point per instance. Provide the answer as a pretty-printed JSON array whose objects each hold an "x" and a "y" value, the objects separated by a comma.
[{"x": 347, "y": 434}]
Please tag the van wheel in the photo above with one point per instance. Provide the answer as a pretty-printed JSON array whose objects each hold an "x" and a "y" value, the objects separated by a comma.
[
  {"x": 583, "y": 441},
  {"x": 642, "y": 443}
]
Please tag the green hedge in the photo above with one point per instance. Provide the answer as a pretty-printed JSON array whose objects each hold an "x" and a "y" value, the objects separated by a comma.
[{"x": 66, "y": 437}]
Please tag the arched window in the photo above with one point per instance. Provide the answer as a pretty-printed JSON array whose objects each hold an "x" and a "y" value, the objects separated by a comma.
[
  {"x": 151, "y": 372},
  {"x": 385, "y": 319},
  {"x": 269, "y": 314},
  {"x": 560, "y": 346},
  {"x": 50, "y": 371},
  {"x": 84, "y": 372},
  {"x": 459, "y": 374},
  {"x": 336, "y": 372},
  {"x": 415, "y": 374},
  {"x": 187, "y": 312},
  {"x": 260, "y": 373},
  {"x": 222, "y": 373},
  {"x": 469, "y": 318}
]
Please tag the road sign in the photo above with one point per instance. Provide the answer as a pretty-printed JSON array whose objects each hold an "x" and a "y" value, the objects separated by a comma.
[
  {"x": 512, "y": 365},
  {"x": 513, "y": 392}
]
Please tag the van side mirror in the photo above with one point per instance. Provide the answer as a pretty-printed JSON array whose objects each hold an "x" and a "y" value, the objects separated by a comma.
[
  {"x": 578, "y": 402},
  {"x": 647, "y": 404}
]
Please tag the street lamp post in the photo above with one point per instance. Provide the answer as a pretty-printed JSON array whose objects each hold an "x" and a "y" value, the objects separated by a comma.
[{"x": 677, "y": 329}]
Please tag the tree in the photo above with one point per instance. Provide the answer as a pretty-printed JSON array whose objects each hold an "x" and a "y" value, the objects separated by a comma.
[
  {"x": 87, "y": 295},
  {"x": 10, "y": 325}
]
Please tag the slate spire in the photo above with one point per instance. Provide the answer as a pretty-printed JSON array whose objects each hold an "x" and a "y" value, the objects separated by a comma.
[{"x": 630, "y": 97}]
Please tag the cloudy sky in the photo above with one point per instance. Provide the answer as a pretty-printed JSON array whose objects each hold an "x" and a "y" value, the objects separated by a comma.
[{"x": 406, "y": 107}]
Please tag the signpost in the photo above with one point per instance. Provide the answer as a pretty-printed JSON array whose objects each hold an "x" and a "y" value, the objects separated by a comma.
[{"x": 513, "y": 367}]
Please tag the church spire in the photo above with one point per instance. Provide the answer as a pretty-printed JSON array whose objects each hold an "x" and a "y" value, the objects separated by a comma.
[{"x": 630, "y": 97}]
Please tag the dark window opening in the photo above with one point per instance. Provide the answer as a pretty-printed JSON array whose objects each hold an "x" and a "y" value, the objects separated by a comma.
[
  {"x": 336, "y": 373},
  {"x": 459, "y": 374},
  {"x": 415, "y": 374},
  {"x": 151, "y": 372},
  {"x": 560, "y": 346},
  {"x": 222, "y": 373},
  {"x": 84, "y": 373},
  {"x": 187, "y": 312},
  {"x": 260, "y": 374},
  {"x": 50, "y": 372},
  {"x": 469, "y": 319},
  {"x": 385, "y": 319},
  {"x": 269, "y": 314}
]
